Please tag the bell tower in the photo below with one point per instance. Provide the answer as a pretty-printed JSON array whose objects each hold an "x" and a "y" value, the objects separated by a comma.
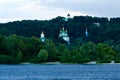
[{"x": 42, "y": 37}]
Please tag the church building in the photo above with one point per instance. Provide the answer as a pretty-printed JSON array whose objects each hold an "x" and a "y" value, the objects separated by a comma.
[
  {"x": 64, "y": 35},
  {"x": 42, "y": 37}
]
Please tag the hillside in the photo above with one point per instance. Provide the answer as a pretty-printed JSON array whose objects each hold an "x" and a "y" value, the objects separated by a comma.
[
  {"x": 19, "y": 40},
  {"x": 100, "y": 29}
]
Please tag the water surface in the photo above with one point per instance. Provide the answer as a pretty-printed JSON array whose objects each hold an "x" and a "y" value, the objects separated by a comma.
[{"x": 60, "y": 72}]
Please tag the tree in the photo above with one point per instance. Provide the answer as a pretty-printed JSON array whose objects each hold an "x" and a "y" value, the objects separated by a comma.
[
  {"x": 42, "y": 55},
  {"x": 60, "y": 48},
  {"x": 105, "y": 53},
  {"x": 31, "y": 49},
  {"x": 88, "y": 49},
  {"x": 15, "y": 45},
  {"x": 52, "y": 51},
  {"x": 66, "y": 57},
  {"x": 3, "y": 45},
  {"x": 6, "y": 59},
  {"x": 19, "y": 57}
]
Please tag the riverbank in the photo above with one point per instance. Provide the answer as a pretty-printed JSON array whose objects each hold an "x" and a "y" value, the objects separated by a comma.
[
  {"x": 51, "y": 63},
  {"x": 58, "y": 63}
]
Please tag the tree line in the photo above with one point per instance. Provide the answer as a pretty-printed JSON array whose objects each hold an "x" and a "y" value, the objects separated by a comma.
[{"x": 17, "y": 49}]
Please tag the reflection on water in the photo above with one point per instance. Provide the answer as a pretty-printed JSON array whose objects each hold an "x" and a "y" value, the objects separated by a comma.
[{"x": 60, "y": 72}]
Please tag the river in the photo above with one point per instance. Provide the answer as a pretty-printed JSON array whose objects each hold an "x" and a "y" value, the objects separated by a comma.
[{"x": 60, "y": 72}]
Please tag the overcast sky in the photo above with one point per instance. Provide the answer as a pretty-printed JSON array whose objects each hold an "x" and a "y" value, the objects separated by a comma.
[{"x": 12, "y": 10}]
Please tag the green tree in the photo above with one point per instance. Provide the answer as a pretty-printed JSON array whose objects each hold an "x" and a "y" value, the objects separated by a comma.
[
  {"x": 52, "y": 51},
  {"x": 42, "y": 55},
  {"x": 88, "y": 49},
  {"x": 15, "y": 44},
  {"x": 3, "y": 45},
  {"x": 83, "y": 56},
  {"x": 61, "y": 48},
  {"x": 31, "y": 49},
  {"x": 6, "y": 59},
  {"x": 66, "y": 57},
  {"x": 105, "y": 53},
  {"x": 19, "y": 57}
]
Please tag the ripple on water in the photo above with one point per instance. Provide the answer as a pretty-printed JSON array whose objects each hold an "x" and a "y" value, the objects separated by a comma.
[{"x": 60, "y": 72}]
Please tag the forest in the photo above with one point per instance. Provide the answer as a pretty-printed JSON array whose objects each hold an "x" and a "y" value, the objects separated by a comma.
[{"x": 20, "y": 40}]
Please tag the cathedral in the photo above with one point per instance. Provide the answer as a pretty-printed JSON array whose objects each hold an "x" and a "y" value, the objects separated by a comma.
[{"x": 64, "y": 35}]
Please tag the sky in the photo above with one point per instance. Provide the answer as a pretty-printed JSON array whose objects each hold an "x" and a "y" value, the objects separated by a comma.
[{"x": 12, "y": 10}]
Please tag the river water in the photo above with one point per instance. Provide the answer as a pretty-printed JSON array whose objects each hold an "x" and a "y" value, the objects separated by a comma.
[{"x": 60, "y": 72}]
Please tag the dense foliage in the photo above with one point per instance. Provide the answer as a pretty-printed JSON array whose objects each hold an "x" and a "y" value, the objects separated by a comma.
[
  {"x": 16, "y": 49},
  {"x": 19, "y": 40}
]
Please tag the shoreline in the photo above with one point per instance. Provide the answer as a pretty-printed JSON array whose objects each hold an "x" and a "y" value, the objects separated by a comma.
[{"x": 58, "y": 63}]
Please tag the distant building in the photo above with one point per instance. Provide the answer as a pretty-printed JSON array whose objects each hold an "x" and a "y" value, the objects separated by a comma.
[
  {"x": 68, "y": 16},
  {"x": 97, "y": 24},
  {"x": 42, "y": 37},
  {"x": 86, "y": 33},
  {"x": 64, "y": 35}
]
